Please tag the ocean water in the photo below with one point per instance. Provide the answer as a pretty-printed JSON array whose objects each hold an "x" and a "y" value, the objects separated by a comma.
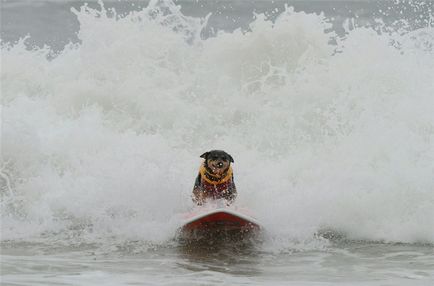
[{"x": 326, "y": 106}]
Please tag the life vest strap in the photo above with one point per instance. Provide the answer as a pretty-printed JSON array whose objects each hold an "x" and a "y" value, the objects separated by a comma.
[{"x": 206, "y": 176}]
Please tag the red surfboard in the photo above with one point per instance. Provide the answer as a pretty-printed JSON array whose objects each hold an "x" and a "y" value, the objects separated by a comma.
[{"x": 219, "y": 221}]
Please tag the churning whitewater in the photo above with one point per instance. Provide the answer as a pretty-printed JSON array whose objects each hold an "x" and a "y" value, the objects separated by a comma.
[{"x": 101, "y": 140}]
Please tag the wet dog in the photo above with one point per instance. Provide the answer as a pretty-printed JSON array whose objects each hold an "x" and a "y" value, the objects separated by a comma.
[{"x": 215, "y": 180}]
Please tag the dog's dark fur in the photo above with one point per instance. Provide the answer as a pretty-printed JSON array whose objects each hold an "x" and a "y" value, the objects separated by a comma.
[{"x": 217, "y": 165}]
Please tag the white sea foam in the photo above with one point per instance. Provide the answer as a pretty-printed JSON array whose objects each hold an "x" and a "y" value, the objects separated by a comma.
[{"x": 103, "y": 141}]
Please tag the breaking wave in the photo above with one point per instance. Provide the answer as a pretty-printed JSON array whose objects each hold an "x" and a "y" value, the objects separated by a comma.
[{"x": 101, "y": 141}]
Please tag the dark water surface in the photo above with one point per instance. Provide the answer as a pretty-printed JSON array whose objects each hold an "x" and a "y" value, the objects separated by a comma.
[
  {"x": 343, "y": 263},
  {"x": 52, "y": 23}
]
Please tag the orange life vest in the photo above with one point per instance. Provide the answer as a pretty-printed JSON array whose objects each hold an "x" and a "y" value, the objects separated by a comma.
[{"x": 217, "y": 188}]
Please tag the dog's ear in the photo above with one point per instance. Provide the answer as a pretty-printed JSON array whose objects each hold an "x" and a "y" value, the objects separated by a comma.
[
  {"x": 231, "y": 159},
  {"x": 204, "y": 155}
]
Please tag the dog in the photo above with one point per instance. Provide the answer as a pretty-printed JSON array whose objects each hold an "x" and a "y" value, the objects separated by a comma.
[{"x": 215, "y": 179}]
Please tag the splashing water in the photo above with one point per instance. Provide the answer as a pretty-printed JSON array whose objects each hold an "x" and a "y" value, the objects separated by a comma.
[{"x": 101, "y": 141}]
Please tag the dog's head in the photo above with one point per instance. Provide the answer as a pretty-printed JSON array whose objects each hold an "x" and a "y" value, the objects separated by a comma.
[{"x": 217, "y": 162}]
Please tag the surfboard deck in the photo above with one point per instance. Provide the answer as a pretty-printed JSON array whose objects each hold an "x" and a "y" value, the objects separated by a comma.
[{"x": 219, "y": 221}]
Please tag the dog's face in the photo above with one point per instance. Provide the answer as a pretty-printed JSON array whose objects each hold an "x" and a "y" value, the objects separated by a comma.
[{"x": 217, "y": 161}]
